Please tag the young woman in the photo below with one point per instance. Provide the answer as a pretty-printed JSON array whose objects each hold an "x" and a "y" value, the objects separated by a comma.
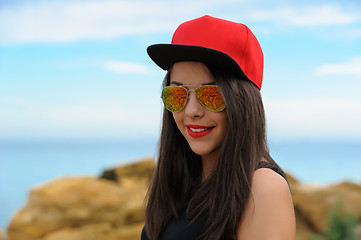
[{"x": 215, "y": 178}]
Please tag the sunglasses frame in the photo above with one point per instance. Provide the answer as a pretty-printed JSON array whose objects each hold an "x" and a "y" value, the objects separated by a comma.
[{"x": 192, "y": 90}]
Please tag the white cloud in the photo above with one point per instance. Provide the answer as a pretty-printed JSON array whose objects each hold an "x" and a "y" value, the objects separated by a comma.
[
  {"x": 111, "y": 119},
  {"x": 64, "y": 21},
  {"x": 326, "y": 15},
  {"x": 126, "y": 67},
  {"x": 352, "y": 67},
  {"x": 314, "y": 118},
  {"x": 59, "y": 22}
]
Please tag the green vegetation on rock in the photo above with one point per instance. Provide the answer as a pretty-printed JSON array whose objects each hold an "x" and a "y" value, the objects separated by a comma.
[{"x": 342, "y": 225}]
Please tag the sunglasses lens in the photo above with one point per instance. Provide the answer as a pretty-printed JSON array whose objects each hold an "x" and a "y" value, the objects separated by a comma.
[
  {"x": 174, "y": 98},
  {"x": 210, "y": 98}
]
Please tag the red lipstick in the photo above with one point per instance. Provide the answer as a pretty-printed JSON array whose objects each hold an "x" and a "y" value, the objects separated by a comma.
[{"x": 198, "y": 131}]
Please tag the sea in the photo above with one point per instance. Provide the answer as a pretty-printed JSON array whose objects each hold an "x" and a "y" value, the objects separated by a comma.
[{"x": 27, "y": 164}]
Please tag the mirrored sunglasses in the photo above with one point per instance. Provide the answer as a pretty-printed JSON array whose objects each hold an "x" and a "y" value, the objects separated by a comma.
[{"x": 176, "y": 97}]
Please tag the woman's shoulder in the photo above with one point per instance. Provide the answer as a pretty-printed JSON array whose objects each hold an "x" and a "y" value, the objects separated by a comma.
[
  {"x": 270, "y": 190},
  {"x": 269, "y": 212},
  {"x": 267, "y": 180}
]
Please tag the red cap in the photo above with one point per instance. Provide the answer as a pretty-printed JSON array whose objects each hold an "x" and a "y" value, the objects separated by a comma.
[{"x": 215, "y": 42}]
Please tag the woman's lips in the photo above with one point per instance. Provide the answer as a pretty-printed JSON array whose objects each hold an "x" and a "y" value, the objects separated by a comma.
[{"x": 197, "y": 131}]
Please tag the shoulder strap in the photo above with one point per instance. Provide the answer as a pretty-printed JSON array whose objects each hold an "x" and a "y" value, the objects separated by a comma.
[{"x": 274, "y": 167}]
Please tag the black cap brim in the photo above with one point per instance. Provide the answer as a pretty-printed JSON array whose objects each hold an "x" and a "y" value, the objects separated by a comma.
[{"x": 165, "y": 55}]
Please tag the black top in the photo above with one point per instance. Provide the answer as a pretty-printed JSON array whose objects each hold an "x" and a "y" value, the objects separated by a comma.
[{"x": 183, "y": 228}]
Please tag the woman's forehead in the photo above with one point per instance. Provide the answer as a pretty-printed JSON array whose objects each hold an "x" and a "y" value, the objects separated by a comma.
[{"x": 190, "y": 73}]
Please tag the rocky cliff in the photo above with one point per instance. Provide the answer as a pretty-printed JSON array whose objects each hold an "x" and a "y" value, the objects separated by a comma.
[{"x": 112, "y": 207}]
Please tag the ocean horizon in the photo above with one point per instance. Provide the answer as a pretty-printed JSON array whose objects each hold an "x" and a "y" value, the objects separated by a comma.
[{"x": 26, "y": 164}]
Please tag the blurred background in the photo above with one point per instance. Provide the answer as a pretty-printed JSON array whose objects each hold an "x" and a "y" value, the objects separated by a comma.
[{"x": 78, "y": 93}]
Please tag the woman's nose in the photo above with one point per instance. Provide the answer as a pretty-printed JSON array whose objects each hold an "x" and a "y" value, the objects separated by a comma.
[{"x": 194, "y": 108}]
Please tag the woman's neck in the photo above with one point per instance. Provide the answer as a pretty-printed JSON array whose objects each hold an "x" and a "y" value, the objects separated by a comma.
[{"x": 208, "y": 164}]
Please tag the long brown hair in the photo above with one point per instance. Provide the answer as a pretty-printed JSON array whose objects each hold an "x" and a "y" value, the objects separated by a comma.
[{"x": 221, "y": 198}]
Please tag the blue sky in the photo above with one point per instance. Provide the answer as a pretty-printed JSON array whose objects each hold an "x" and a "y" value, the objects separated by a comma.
[{"x": 79, "y": 69}]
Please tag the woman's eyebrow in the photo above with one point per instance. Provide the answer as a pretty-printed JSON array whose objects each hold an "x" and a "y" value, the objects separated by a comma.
[
  {"x": 176, "y": 83},
  {"x": 210, "y": 83}
]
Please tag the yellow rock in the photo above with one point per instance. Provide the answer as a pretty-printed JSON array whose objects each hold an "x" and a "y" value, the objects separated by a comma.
[
  {"x": 86, "y": 232},
  {"x": 73, "y": 203}
]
